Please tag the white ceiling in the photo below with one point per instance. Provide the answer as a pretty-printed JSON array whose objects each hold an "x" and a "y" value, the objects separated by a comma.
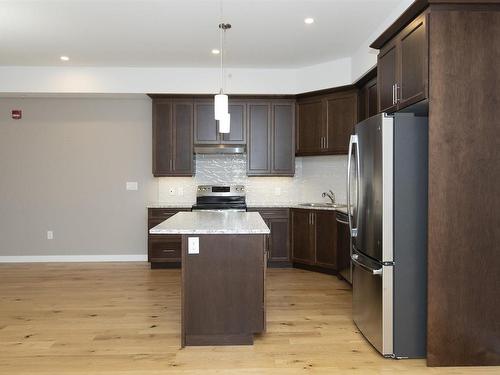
[{"x": 181, "y": 33}]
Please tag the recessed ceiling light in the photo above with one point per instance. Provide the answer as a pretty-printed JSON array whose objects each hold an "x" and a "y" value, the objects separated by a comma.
[
  {"x": 215, "y": 51},
  {"x": 309, "y": 20},
  {"x": 64, "y": 58}
]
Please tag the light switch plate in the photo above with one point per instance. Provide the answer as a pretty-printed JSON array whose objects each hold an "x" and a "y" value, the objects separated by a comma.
[
  {"x": 132, "y": 185},
  {"x": 193, "y": 245}
]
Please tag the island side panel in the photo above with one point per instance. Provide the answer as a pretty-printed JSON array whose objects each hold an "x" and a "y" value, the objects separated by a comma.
[{"x": 223, "y": 289}]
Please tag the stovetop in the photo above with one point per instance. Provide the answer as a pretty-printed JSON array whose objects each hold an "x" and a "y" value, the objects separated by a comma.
[{"x": 220, "y": 197}]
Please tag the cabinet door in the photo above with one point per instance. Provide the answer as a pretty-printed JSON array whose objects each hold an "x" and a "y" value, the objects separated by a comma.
[
  {"x": 182, "y": 130},
  {"x": 309, "y": 126},
  {"x": 412, "y": 61},
  {"x": 341, "y": 116},
  {"x": 205, "y": 125},
  {"x": 259, "y": 138},
  {"x": 279, "y": 240},
  {"x": 237, "y": 134},
  {"x": 386, "y": 78},
  {"x": 162, "y": 137},
  {"x": 372, "y": 98},
  {"x": 283, "y": 139},
  {"x": 325, "y": 229},
  {"x": 302, "y": 239}
]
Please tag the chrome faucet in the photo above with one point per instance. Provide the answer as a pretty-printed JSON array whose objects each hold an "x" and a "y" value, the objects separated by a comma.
[{"x": 330, "y": 195}]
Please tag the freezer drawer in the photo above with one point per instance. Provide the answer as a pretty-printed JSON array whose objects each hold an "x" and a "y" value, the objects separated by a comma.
[{"x": 372, "y": 302}]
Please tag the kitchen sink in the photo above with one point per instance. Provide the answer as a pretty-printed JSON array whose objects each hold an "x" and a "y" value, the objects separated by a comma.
[{"x": 323, "y": 204}]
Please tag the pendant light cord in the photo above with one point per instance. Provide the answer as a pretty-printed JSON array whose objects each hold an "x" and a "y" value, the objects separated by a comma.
[{"x": 222, "y": 40}]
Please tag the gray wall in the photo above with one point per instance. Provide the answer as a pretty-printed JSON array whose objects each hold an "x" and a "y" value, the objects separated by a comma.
[{"x": 64, "y": 166}]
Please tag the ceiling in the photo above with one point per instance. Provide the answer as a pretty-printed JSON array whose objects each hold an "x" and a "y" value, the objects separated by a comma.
[{"x": 182, "y": 33}]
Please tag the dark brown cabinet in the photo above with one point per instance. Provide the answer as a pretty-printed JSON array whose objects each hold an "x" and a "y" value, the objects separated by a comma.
[
  {"x": 325, "y": 123},
  {"x": 314, "y": 238},
  {"x": 206, "y": 128},
  {"x": 341, "y": 116},
  {"x": 325, "y": 230},
  {"x": 302, "y": 237},
  {"x": 270, "y": 138},
  {"x": 278, "y": 242},
  {"x": 402, "y": 67},
  {"x": 368, "y": 100},
  {"x": 163, "y": 249},
  {"x": 309, "y": 126},
  {"x": 172, "y": 137}
]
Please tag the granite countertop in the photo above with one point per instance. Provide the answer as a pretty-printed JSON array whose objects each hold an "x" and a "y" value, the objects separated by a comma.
[
  {"x": 253, "y": 205},
  {"x": 212, "y": 222}
]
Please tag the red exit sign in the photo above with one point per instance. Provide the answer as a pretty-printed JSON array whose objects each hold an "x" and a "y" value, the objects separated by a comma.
[{"x": 17, "y": 114}]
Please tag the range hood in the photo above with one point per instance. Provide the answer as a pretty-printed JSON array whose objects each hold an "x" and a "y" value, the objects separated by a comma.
[{"x": 219, "y": 149}]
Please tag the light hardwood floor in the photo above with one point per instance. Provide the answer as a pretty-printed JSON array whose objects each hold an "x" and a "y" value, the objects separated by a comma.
[{"x": 123, "y": 318}]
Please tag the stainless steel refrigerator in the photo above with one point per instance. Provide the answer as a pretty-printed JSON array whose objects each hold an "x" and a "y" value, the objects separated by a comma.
[{"x": 387, "y": 198}]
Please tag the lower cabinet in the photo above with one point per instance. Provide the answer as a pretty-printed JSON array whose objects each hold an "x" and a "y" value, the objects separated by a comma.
[
  {"x": 163, "y": 250},
  {"x": 314, "y": 238},
  {"x": 278, "y": 242}
]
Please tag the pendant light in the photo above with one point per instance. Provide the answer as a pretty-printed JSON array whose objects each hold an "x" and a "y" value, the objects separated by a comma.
[{"x": 221, "y": 105}]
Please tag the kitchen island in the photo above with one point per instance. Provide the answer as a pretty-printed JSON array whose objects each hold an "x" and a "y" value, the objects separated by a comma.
[{"x": 223, "y": 275}]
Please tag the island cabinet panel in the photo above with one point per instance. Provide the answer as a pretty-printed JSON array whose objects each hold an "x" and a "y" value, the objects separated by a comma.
[
  {"x": 278, "y": 241},
  {"x": 206, "y": 128},
  {"x": 403, "y": 67},
  {"x": 164, "y": 249},
  {"x": 324, "y": 123},
  {"x": 325, "y": 230},
  {"x": 172, "y": 138},
  {"x": 223, "y": 301}
]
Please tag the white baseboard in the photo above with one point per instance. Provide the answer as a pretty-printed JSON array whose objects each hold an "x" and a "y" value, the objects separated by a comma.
[{"x": 74, "y": 258}]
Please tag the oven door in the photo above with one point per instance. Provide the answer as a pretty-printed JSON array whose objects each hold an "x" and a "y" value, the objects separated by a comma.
[{"x": 372, "y": 301}]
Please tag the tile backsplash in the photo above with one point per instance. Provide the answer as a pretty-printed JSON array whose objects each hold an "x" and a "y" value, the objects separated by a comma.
[{"x": 313, "y": 175}]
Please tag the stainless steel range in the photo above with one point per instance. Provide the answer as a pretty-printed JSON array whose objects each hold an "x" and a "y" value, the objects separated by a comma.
[{"x": 220, "y": 197}]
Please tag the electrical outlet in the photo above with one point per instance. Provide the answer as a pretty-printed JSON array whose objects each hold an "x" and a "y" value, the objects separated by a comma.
[
  {"x": 193, "y": 245},
  {"x": 277, "y": 191},
  {"x": 50, "y": 235},
  {"x": 171, "y": 191},
  {"x": 180, "y": 191},
  {"x": 132, "y": 185}
]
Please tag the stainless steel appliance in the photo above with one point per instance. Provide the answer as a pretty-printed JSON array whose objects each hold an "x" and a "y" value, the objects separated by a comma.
[
  {"x": 387, "y": 197},
  {"x": 344, "y": 240},
  {"x": 220, "y": 197}
]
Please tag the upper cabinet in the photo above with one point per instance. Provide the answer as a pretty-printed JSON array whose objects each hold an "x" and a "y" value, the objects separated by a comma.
[
  {"x": 402, "y": 67},
  {"x": 325, "y": 123},
  {"x": 206, "y": 128},
  {"x": 368, "y": 100},
  {"x": 270, "y": 138},
  {"x": 173, "y": 137}
]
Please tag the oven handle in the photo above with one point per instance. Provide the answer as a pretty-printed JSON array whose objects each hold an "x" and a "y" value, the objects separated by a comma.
[{"x": 373, "y": 271}]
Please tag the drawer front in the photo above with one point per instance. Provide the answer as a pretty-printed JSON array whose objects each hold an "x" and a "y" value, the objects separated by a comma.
[
  {"x": 165, "y": 248},
  {"x": 271, "y": 213},
  {"x": 164, "y": 213}
]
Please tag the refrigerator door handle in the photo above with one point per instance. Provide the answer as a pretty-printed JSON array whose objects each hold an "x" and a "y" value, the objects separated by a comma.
[
  {"x": 355, "y": 260},
  {"x": 353, "y": 141}
]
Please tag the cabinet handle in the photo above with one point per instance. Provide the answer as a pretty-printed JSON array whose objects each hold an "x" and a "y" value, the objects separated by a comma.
[
  {"x": 168, "y": 251},
  {"x": 396, "y": 89},
  {"x": 393, "y": 93}
]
